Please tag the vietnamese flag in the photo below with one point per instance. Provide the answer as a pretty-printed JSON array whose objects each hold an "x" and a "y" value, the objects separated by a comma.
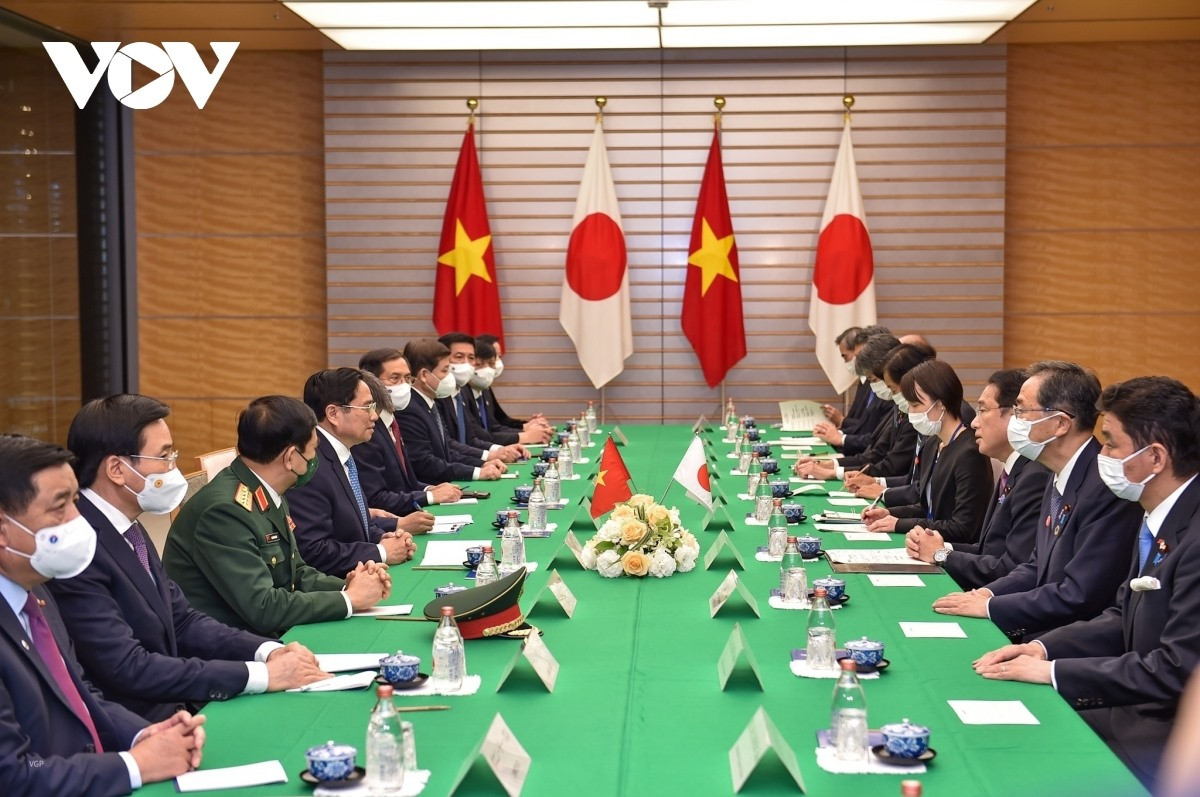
[
  {"x": 466, "y": 297},
  {"x": 612, "y": 481},
  {"x": 843, "y": 292},
  {"x": 712, "y": 295}
]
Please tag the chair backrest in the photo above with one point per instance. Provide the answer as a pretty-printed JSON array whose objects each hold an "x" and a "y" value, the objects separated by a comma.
[
  {"x": 195, "y": 482},
  {"x": 214, "y": 462}
]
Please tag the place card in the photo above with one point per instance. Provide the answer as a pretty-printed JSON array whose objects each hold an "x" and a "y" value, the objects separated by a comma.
[
  {"x": 933, "y": 630},
  {"x": 736, "y": 648},
  {"x": 758, "y": 737},
  {"x": 993, "y": 712},
  {"x": 586, "y": 504},
  {"x": 561, "y": 592},
  {"x": 534, "y": 651},
  {"x": 504, "y": 755},
  {"x": 895, "y": 581},
  {"x": 728, "y": 586},
  {"x": 619, "y": 437},
  {"x": 719, "y": 544},
  {"x": 701, "y": 425},
  {"x": 719, "y": 516}
]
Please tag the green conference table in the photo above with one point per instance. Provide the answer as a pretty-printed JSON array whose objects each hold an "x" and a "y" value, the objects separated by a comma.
[{"x": 637, "y": 709}]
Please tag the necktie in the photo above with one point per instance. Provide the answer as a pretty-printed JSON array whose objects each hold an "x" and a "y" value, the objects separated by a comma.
[
  {"x": 400, "y": 448},
  {"x": 462, "y": 418},
  {"x": 870, "y": 397},
  {"x": 437, "y": 416},
  {"x": 1001, "y": 487},
  {"x": 137, "y": 538},
  {"x": 1055, "y": 506},
  {"x": 356, "y": 488},
  {"x": 1145, "y": 542},
  {"x": 483, "y": 413},
  {"x": 47, "y": 648}
]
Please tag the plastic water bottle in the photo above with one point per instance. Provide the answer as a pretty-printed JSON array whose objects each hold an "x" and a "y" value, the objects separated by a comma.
[
  {"x": 763, "y": 500},
  {"x": 745, "y": 456},
  {"x": 385, "y": 746},
  {"x": 449, "y": 657},
  {"x": 551, "y": 483},
  {"x": 590, "y": 417},
  {"x": 512, "y": 546},
  {"x": 753, "y": 474},
  {"x": 537, "y": 507},
  {"x": 731, "y": 422},
  {"x": 848, "y": 719},
  {"x": 574, "y": 445},
  {"x": 821, "y": 641},
  {"x": 791, "y": 558},
  {"x": 486, "y": 572},
  {"x": 585, "y": 433},
  {"x": 776, "y": 529},
  {"x": 566, "y": 459}
]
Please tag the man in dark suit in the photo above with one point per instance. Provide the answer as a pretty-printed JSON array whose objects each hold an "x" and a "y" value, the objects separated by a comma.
[
  {"x": 137, "y": 637},
  {"x": 335, "y": 527},
  {"x": 1126, "y": 669},
  {"x": 536, "y": 423},
  {"x": 852, "y": 433},
  {"x": 434, "y": 454},
  {"x": 1081, "y": 553},
  {"x": 461, "y": 422},
  {"x": 57, "y": 735},
  {"x": 482, "y": 401},
  {"x": 1010, "y": 526}
]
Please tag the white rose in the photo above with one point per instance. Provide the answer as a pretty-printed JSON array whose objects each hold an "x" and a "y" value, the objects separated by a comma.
[
  {"x": 674, "y": 513},
  {"x": 685, "y": 557},
  {"x": 589, "y": 556},
  {"x": 609, "y": 564},
  {"x": 662, "y": 564}
]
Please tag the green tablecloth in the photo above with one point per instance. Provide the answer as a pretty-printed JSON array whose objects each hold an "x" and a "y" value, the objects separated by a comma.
[{"x": 637, "y": 708}]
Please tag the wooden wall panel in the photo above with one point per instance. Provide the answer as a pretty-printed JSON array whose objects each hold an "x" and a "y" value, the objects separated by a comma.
[
  {"x": 1102, "y": 232},
  {"x": 930, "y": 144},
  {"x": 231, "y": 254}
]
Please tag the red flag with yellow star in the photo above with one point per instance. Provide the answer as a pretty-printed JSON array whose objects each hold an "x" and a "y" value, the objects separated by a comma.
[
  {"x": 712, "y": 295},
  {"x": 466, "y": 297},
  {"x": 612, "y": 481}
]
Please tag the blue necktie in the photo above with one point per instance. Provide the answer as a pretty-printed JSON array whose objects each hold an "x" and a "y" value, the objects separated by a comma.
[
  {"x": 356, "y": 488},
  {"x": 870, "y": 397},
  {"x": 462, "y": 418},
  {"x": 483, "y": 413},
  {"x": 1055, "y": 506},
  {"x": 1145, "y": 541}
]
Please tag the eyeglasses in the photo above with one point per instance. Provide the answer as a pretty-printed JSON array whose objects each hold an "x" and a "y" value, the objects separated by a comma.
[
  {"x": 371, "y": 408},
  {"x": 982, "y": 410},
  {"x": 170, "y": 458},
  {"x": 1021, "y": 412}
]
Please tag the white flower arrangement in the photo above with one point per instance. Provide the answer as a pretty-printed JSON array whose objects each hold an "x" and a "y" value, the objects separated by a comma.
[{"x": 641, "y": 538}]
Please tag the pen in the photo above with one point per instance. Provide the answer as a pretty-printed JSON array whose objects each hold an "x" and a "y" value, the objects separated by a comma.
[
  {"x": 438, "y": 567},
  {"x": 403, "y": 708}
]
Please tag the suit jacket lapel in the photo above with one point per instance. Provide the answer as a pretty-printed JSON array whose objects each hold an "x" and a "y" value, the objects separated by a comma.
[
  {"x": 325, "y": 449},
  {"x": 11, "y": 626}
]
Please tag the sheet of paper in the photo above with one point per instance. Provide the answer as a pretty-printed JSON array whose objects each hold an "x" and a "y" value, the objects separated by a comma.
[
  {"x": 342, "y": 683},
  {"x": 385, "y": 611},
  {"x": 896, "y": 580},
  {"x": 802, "y": 486},
  {"x": 510, "y": 475},
  {"x": 758, "y": 737},
  {"x": 344, "y": 662},
  {"x": 232, "y": 777},
  {"x": 870, "y": 556},
  {"x": 867, "y": 536},
  {"x": 801, "y": 441},
  {"x": 461, "y": 502},
  {"x": 861, "y": 528},
  {"x": 460, "y": 519},
  {"x": 800, "y": 415},
  {"x": 933, "y": 630},
  {"x": 841, "y": 494},
  {"x": 848, "y": 502},
  {"x": 440, "y": 553},
  {"x": 993, "y": 712}
]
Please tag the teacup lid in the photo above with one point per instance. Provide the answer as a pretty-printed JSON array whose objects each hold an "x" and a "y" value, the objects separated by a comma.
[
  {"x": 904, "y": 729},
  {"x": 331, "y": 750},
  {"x": 811, "y": 538},
  {"x": 779, "y": 481},
  {"x": 828, "y": 579},
  {"x": 864, "y": 644},
  {"x": 400, "y": 657}
]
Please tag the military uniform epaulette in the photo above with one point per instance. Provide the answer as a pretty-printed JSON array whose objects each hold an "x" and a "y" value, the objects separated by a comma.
[{"x": 246, "y": 499}]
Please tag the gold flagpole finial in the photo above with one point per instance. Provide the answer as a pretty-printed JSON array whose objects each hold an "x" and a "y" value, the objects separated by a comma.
[
  {"x": 472, "y": 104},
  {"x": 848, "y": 103},
  {"x": 719, "y": 102},
  {"x": 600, "y": 103}
]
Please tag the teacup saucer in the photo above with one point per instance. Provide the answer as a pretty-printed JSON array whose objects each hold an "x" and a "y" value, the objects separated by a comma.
[
  {"x": 881, "y": 752},
  {"x": 353, "y": 780},
  {"x": 820, "y": 552},
  {"x": 415, "y": 683},
  {"x": 862, "y": 669},
  {"x": 832, "y": 601}
]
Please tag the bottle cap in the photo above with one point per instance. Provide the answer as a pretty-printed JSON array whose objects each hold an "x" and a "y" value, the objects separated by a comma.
[
  {"x": 848, "y": 664},
  {"x": 910, "y": 788},
  {"x": 447, "y": 611},
  {"x": 383, "y": 690},
  {"x": 779, "y": 503},
  {"x": 793, "y": 539},
  {"x": 819, "y": 592},
  {"x": 488, "y": 549}
]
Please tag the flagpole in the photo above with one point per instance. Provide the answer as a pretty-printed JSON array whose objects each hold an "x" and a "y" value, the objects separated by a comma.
[{"x": 664, "y": 495}]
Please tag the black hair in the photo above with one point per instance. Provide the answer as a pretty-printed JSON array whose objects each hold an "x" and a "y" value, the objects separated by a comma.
[
  {"x": 270, "y": 424},
  {"x": 113, "y": 425},
  {"x": 21, "y": 460},
  {"x": 1008, "y": 384},
  {"x": 450, "y": 338},
  {"x": 903, "y": 359},
  {"x": 335, "y": 386},
  {"x": 1158, "y": 409},
  {"x": 1068, "y": 387},
  {"x": 373, "y": 360},
  {"x": 938, "y": 381},
  {"x": 484, "y": 351},
  {"x": 424, "y": 354},
  {"x": 875, "y": 351}
]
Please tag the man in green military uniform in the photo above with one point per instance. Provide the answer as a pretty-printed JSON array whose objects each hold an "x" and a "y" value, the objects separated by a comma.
[{"x": 232, "y": 549}]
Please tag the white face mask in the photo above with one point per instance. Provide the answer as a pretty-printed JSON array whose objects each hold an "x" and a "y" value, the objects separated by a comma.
[
  {"x": 850, "y": 366},
  {"x": 921, "y": 422},
  {"x": 881, "y": 390},
  {"x": 1112, "y": 473},
  {"x": 446, "y": 388},
  {"x": 62, "y": 551},
  {"x": 162, "y": 492},
  {"x": 400, "y": 394},
  {"x": 462, "y": 373},
  {"x": 499, "y": 369},
  {"x": 1018, "y": 437},
  {"x": 901, "y": 402},
  {"x": 483, "y": 377}
]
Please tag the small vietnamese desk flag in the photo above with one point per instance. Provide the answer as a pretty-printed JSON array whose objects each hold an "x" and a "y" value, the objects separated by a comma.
[
  {"x": 612, "y": 481},
  {"x": 843, "y": 292},
  {"x": 692, "y": 473},
  {"x": 466, "y": 297},
  {"x": 594, "y": 307},
  {"x": 712, "y": 294}
]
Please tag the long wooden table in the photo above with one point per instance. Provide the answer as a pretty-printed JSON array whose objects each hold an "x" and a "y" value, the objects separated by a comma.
[{"x": 638, "y": 710}]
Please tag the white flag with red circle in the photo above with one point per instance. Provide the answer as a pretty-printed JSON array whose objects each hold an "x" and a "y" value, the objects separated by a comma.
[
  {"x": 692, "y": 473},
  {"x": 843, "y": 292}
]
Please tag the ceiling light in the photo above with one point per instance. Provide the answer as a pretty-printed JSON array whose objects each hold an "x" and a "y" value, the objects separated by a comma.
[
  {"x": 828, "y": 35},
  {"x": 478, "y": 14},
  {"x": 495, "y": 39},
  {"x": 842, "y": 12}
]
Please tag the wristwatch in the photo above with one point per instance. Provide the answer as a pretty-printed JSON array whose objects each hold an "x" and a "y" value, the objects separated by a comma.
[{"x": 941, "y": 555}]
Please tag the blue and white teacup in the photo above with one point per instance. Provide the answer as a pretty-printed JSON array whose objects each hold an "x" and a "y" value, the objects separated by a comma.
[
  {"x": 904, "y": 739},
  {"x": 780, "y": 488},
  {"x": 522, "y": 492},
  {"x": 475, "y": 555},
  {"x": 539, "y": 468},
  {"x": 562, "y": 438},
  {"x": 399, "y": 668},
  {"x": 501, "y": 517},
  {"x": 549, "y": 453},
  {"x": 865, "y": 652},
  {"x": 331, "y": 761},
  {"x": 793, "y": 512},
  {"x": 448, "y": 589},
  {"x": 810, "y": 546},
  {"x": 752, "y": 434},
  {"x": 769, "y": 465},
  {"x": 749, "y": 422},
  {"x": 760, "y": 448},
  {"x": 835, "y": 588}
]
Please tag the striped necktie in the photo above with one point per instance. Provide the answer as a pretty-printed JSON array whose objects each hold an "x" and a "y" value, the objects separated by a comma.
[
  {"x": 356, "y": 488},
  {"x": 47, "y": 648}
]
